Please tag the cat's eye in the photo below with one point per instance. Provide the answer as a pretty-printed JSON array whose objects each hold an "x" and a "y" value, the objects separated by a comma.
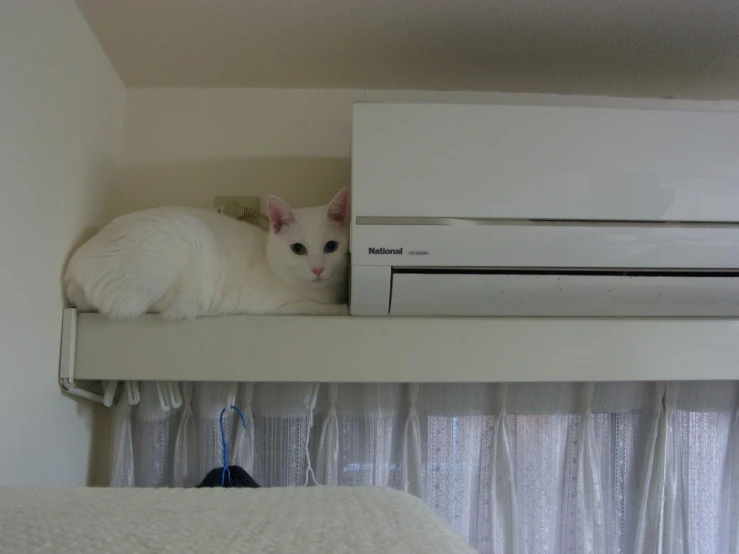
[
  {"x": 298, "y": 248},
  {"x": 330, "y": 246}
]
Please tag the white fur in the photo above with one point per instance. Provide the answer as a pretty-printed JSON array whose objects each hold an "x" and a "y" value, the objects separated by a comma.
[{"x": 186, "y": 262}]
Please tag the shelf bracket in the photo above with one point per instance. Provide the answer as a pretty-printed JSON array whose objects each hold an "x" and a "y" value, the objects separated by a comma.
[{"x": 67, "y": 358}]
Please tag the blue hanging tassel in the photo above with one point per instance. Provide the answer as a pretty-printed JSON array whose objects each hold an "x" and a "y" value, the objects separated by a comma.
[{"x": 224, "y": 445}]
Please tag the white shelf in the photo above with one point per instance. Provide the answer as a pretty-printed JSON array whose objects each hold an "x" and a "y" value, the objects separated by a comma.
[{"x": 385, "y": 349}]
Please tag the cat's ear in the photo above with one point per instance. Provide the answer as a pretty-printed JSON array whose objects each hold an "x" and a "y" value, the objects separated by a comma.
[
  {"x": 280, "y": 214},
  {"x": 338, "y": 208}
]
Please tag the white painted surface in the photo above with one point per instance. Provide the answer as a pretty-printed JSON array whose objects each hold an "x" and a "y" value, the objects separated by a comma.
[
  {"x": 169, "y": 125},
  {"x": 61, "y": 107},
  {"x": 563, "y": 296},
  {"x": 370, "y": 288},
  {"x": 529, "y": 162},
  {"x": 188, "y": 146},
  {"x": 420, "y": 350},
  {"x": 658, "y": 48}
]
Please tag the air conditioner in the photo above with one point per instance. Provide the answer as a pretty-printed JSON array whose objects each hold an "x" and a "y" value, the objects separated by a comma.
[{"x": 480, "y": 210}]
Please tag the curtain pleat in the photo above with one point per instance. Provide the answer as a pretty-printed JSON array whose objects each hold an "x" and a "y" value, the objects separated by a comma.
[
  {"x": 328, "y": 445},
  {"x": 652, "y": 480},
  {"x": 671, "y": 539},
  {"x": 504, "y": 508},
  {"x": 560, "y": 468},
  {"x": 584, "y": 520},
  {"x": 282, "y": 425},
  {"x": 209, "y": 399},
  {"x": 122, "y": 457},
  {"x": 369, "y": 426},
  {"x": 242, "y": 453},
  {"x": 185, "y": 472},
  {"x": 412, "y": 462},
  {"x": 730, "y": 504},
  {"x": 154, "y": 431}
]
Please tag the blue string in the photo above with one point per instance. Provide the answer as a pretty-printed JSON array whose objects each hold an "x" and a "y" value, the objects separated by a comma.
[
  {"x": 243, "y": 419},
  {"x": 224, "y": 445}
]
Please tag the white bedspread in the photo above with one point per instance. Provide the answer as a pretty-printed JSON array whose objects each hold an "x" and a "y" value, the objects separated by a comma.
[{"x": 326, "y": 520}]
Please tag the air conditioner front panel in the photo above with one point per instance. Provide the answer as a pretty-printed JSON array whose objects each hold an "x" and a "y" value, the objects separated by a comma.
[
  {"x": 544, "y": 162},
  {"x": 466, "y": 188},
  {"x": 565, "y": 295},
  {"x": 543, "y": 245}
]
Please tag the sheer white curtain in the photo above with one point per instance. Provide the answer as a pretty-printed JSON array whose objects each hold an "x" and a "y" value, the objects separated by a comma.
[{"x": 537, "y": 468}]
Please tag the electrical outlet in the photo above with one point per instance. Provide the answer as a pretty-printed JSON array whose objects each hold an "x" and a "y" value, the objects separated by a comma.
[{"x": 239, "y": 207}]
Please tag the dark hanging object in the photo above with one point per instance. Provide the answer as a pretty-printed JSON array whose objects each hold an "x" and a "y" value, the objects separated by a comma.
[{"x": 238, "y": 478}]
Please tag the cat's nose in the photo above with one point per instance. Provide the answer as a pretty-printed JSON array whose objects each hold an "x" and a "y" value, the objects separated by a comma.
[{"x": 317, "y": 271}]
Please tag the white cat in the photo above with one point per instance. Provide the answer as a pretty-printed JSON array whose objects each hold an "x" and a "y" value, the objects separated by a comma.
[{"x": 186, "y": 262}]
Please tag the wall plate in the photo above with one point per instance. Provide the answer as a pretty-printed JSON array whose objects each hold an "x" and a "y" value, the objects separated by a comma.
[{"x": 245, "y": 208}]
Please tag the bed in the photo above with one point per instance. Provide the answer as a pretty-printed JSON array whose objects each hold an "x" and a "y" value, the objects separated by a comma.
[{"x": 280, "y": 520}]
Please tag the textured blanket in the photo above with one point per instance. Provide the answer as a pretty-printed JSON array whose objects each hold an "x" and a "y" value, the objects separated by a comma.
[{"x": 326, "y": 520}]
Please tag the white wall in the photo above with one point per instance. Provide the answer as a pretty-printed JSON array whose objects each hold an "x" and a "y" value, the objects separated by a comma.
[
  {"x": 61, "y": 107},
  {"x": 187, "y": 146}
]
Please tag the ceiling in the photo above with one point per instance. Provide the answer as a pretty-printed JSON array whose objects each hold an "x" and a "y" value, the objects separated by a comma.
[{"x": 654, "y": 48}]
